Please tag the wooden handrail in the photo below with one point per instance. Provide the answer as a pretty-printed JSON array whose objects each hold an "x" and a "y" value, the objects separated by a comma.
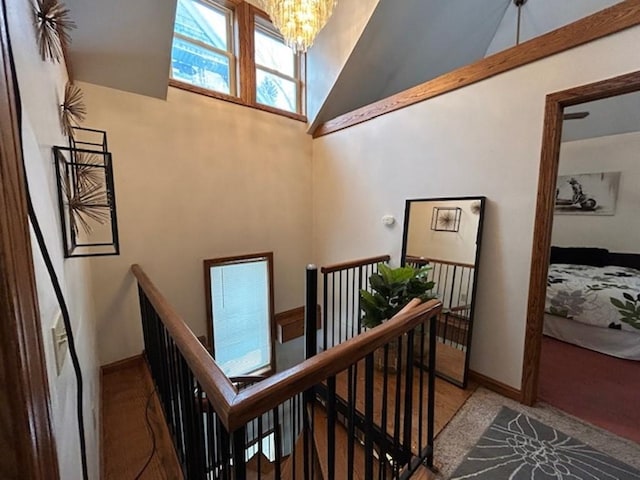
[
  {"x": 214, "y": 382},
  {"x": 235, "y": 408},
  {"x": 355, "y": 263}
]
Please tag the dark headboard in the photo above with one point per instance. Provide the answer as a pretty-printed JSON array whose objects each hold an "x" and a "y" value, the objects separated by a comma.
[
  {"x": 597, "y": 257},
  {"x": 631, "y": 260}
]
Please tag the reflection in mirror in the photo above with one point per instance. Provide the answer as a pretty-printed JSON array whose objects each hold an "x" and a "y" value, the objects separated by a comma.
[
  {"x": 445, "y": 234},
  {"x": 239, "y": 293}
]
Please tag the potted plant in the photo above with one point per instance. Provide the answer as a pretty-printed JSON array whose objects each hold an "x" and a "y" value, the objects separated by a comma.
[{"x": 392, "y": 289}]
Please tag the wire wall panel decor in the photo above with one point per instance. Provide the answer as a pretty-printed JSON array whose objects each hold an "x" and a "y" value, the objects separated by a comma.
[
  {"x": 446, "y": 219},
  {"x": 86, "y": 195}
]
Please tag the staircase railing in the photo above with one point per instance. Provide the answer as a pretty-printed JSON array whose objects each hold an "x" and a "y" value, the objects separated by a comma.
[
  {"x": 220, "y": 430},
  {"x": 341, "y": 284}
]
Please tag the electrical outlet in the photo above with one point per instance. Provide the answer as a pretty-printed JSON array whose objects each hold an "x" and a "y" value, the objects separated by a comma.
[{"x": 60, "y": 341}]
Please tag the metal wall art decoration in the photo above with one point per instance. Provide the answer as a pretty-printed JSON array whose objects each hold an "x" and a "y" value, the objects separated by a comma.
[
  {"x": 53, "y": 23},
  {"x": 86, "y": 195},
  {"x": 446, "y": 219},
  {"x": 73, "y": 109}
]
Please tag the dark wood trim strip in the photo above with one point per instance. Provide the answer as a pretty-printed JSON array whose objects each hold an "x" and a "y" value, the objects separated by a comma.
[
  {"x": 606, "y": 22},
  {"x": 27, "y": 441},
  {"x": 495, "y": 385},
  {"x": 238, "y": 101},
  {"x": 121, "y": 364},
  {"x": 549, "y": 159},
  {"x": 355, "y": 263},
  {"x": 290, "y": 324}
]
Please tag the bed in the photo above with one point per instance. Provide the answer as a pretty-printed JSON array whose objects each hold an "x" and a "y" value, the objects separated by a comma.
[{"x": 593, "y": 300}]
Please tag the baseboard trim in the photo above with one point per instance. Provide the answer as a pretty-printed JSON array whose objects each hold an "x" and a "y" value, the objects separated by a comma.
[
  {"x": 495, "y": 385},
  {"x": 121, "y": 364}
]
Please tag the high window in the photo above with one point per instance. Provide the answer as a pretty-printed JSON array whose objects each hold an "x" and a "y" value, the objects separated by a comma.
[{"x": 231, "y": 51}]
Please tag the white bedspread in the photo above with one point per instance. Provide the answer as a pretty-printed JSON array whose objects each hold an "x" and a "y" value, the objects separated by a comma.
[{"x": 606, "y": 297}]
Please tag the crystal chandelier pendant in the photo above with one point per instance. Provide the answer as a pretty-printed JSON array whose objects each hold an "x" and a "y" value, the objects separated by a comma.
[{"x": 299, "y": 21}]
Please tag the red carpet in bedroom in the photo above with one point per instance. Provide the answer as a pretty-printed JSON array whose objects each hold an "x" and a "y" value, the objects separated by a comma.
[{"x": 597, "y": 388}]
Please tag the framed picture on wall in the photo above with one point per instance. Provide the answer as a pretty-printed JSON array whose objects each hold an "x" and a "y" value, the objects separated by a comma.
[{"x": 587, "y": 193}]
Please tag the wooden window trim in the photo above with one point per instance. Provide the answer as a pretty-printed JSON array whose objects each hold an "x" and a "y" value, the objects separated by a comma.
[
  {"x": 601, "y": 24},
  {"x": 228, "y": 98},
  {"x": 244, "y": 70}
]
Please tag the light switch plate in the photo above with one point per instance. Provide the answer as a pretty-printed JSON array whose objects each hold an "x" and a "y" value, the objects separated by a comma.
[{"x": 60, "y": 342}]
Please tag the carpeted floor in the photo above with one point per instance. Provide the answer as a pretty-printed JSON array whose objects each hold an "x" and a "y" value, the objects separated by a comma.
[
  {"x": 597, "y": 388},
  {"x": 466, "y": 428}
]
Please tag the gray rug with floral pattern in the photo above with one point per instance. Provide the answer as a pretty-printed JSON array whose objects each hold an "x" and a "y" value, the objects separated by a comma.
[{"x": 516, "y": 447}]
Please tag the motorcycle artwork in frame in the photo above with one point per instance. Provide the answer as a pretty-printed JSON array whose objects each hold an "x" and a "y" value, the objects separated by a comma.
[{"x": 587, "y": 193}]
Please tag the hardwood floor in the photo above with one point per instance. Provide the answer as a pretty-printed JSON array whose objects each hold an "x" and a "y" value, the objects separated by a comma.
[{"x": 127, "y": 442}]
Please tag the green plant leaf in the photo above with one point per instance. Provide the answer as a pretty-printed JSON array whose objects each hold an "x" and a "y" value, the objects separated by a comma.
[
  {"x": 628, "y": 297},
  {"x": 617, "y": 303}
]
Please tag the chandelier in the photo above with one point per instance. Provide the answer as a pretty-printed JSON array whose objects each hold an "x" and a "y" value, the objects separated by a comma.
[{"x": 299, "y": 21}]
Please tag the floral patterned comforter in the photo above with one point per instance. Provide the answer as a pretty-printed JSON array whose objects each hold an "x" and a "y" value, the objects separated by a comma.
[{"x": 601, "y": 296}]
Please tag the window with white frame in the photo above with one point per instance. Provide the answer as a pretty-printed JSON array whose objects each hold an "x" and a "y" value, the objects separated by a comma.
[
  {"x": 203, "y": 50},
  {"x": 277, "y": 70}
]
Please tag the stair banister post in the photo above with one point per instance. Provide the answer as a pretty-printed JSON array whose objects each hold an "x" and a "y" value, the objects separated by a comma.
[
  {"x": 310, "y": 350},
  {"x": 310, "y": 312}
]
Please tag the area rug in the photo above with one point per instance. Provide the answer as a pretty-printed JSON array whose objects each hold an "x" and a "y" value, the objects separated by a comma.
[{"x": 517, "y": 447}]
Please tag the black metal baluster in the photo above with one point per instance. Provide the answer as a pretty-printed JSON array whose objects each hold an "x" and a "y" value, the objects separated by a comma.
[
  {"x": 423, "y": 328},
  {"x": 239, "y": 463},
  {"x": 351, "y": 403},
  {"x": 340, "y": 316},
  {"x": 432, "y": 389},
  {"x": 385, "y": 405},
  {"x": 277, "y": 440},
  {"x": 368, "y": 414},
  {"x": 331, "y": 426},
  {"x": 408, "y": 394},
  {"x": 325, "y": 312}
]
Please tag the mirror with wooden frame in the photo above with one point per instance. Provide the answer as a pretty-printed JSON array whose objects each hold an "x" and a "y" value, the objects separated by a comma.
[
  {"x": 240, "y": 319},
  {"x": 444, "y": 234}
]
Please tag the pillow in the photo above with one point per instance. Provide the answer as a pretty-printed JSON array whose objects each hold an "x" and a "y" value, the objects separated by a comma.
[{"x": 596, "y": 257}]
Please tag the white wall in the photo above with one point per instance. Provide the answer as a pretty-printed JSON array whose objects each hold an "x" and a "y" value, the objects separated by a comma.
[
  {"x": 480, "y": 140},
  {"x": 42, "y": 87},
  {"x": 459, "y": 247},
  {"x": 332, "y": 48},
  {"x": 197, "y": 178},
  {"x": 613, "y": 153}
]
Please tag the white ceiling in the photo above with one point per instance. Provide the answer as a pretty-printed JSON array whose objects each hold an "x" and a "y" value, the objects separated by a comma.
[
  {"x": 403, "y": 46},
  {"x": 610, "y": 116},
  {"x": 123, "y": 44}
]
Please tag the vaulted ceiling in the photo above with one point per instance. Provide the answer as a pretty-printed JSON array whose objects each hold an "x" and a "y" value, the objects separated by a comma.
[
  {"x": 410, "y": 42},
  {"x": 126, "y": 44}
]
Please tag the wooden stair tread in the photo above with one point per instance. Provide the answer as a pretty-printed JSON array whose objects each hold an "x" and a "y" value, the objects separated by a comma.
[
  {"x": 341, "y": 449},
  {"x": 267, "y": 469},
  {"x": 423, "y": 473},
  {"x": 287, "y": 464}
]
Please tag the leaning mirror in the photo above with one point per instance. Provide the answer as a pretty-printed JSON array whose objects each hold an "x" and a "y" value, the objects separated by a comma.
[{"x": 445, "y": 234}]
